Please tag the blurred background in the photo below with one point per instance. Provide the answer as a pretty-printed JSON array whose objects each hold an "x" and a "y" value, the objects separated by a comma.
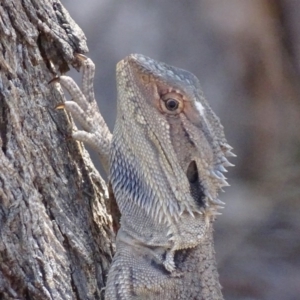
[{"x": 246, "y": 55}]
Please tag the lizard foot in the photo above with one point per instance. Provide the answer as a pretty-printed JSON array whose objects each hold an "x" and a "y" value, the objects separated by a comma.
[
  {"x": 170, "y": 266},
  {"x": 169, "y": 263},
  {"x": 83, "y": 107}
]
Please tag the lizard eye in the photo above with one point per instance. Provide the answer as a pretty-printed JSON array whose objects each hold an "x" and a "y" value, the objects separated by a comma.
[{"x": 172, "y": 103}]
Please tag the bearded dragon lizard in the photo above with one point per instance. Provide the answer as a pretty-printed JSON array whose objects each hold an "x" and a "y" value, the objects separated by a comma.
[{"x": 165, "y": 162}]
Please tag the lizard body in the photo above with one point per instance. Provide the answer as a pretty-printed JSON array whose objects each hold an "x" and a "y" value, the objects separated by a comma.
[{"x": 165, "y": 160}]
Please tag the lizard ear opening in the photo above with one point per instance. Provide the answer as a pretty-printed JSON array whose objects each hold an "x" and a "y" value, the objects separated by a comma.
[
  {"x": 196, "y": 188},
  {"x": 192, "y": 172}
]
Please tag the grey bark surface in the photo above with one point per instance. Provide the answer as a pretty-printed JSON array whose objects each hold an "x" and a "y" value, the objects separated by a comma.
[{"x": 55, "y": 230}]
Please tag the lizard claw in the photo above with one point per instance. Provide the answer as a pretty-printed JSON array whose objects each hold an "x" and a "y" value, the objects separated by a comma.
[
  {"x": 55, "y": 79},
  {"x": 60, "y": 106},
  {"x": 80, "y": 56},
  {"x": 176, "y": 274}
]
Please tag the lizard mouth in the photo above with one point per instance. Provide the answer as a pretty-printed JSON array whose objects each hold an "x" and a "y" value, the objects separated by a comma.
[{"x": 196, "y": 189}]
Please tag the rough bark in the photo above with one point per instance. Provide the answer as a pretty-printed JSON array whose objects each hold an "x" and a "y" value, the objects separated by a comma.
[{"x": 55, "y": 231}]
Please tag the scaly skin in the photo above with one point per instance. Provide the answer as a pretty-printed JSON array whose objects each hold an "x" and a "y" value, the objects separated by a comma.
[{"x": 166, "y": 159}]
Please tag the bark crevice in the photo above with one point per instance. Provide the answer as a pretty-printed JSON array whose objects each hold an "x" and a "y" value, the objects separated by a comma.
[{"x": 56, "y": 239}]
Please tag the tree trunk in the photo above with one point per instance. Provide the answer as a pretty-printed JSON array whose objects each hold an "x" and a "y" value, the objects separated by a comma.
[{"x": 56, "y": 233}]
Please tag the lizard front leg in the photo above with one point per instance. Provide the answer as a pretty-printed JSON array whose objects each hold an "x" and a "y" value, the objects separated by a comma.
[{"x": 83, "y": 107}]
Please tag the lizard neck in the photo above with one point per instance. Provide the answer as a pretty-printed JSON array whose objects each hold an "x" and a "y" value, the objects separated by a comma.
[{"x": 206, "y": 271}]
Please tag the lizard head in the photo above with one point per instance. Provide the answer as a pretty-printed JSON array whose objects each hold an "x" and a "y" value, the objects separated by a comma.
[{"x": 175, "y": 137}]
